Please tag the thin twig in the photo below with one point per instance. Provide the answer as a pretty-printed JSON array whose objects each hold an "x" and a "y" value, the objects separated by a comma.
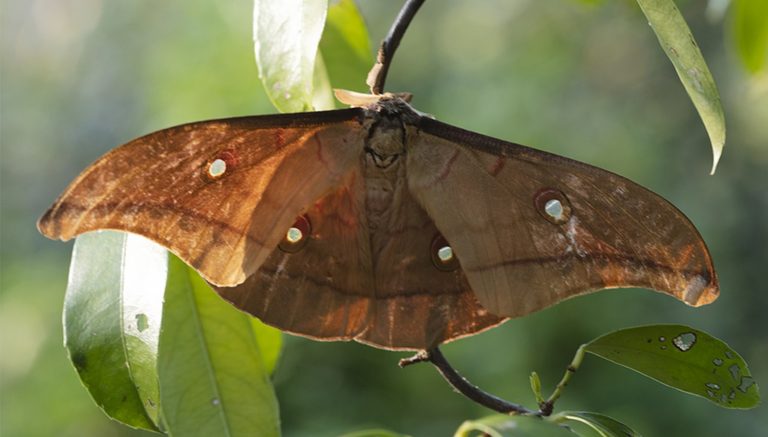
[
  {"x": 378, "y": 74},
  {"x": 461, "y": 385},
  {"x": 569, "y": 372}
]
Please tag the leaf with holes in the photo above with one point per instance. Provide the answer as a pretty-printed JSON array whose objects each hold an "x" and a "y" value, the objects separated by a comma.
[
  {"x": 112, "y": 315},
  {"x": 286, "y": 34},
  {"x": 683, "y": 358},
  {"x": 605, "y": 426},
  {"x": 213, "y": 379},
  {"x": 750, "y": 31},
  {"x": 677, "y": 41}
]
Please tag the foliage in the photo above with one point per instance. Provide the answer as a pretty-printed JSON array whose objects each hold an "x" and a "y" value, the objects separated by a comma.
[{"x": 119, "y": 333}]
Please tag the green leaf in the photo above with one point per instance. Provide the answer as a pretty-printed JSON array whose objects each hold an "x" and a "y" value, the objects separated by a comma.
[
  {"x": 346, "y": 48},
  {"x": 605, "y": 426},
  {"x": 501, "y": 425},
  {"x": 373, "y": 433},
  {"x": 270, "y": 343},
  {"x": 677, "y": 41},
  {"x": 322, "y": 98},
  {"x": 213, "y": 380},
  {"x": 286, "y": 34},
  {"x": 750, "y": 30},
  {"x": 683, "y": 358},
  {"x": 112, "y": 315},
  {"x": 536, "y": 387}
]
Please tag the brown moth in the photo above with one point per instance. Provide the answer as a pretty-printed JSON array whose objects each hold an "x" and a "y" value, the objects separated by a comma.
[{"x": 382, "y": 225}]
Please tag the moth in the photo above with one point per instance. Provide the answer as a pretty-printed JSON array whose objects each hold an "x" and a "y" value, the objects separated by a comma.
[{"x": 382, "y": 225}]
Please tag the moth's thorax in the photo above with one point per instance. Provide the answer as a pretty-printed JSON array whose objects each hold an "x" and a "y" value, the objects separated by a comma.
[
  {"x": 386, "y": 140},
  {"x": 386, "y": 122}
]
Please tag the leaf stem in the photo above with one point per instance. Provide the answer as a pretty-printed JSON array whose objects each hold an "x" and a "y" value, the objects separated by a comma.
[
  {"x": 378, "y": 74},
  {"x": 549, "y": 404}
]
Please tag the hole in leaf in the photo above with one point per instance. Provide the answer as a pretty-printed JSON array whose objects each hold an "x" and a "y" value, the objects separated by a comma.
[
  {"x": 735, "y": 371},
  {"x": 142, "y": 322},
  {"x": 684, "y": 341},
  {"x": 745, "y": 383},
  {"x": 717, "y": 362}
]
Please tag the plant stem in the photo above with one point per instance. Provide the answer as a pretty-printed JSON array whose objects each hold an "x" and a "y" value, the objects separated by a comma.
[
  {"x": 378, "y": 74},
  {"x": 569, "y": 372},
  {"x": 461, "y": 385}
]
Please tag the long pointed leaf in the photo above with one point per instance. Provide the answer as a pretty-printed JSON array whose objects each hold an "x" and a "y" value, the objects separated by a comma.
[
  {"x": 286, "y": 34},
  {"x": 112, "y": 315},
  {"x": 213, "y": 379},
  {"x": 346, "y": 47},
  {"x": 677, "y": 41}
]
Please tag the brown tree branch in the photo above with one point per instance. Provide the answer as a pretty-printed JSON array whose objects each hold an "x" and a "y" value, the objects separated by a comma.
[
  {"x": 461, "y": 385},
  {"x": 378, "y": 74}
]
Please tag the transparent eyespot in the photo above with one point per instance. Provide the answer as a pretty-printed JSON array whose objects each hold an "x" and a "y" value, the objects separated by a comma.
[
  {"x": 445, "y": 254},
  {"x": 217, "y": 168},
  {"x": 220, "y": 164},
  {"x": 294, "y": 235},
  {"x": 442, "y": 254},
  {"x": 554, "y": 209},
  {"x": 297, "y": 236},
  {"x": 552, "y": 205}
]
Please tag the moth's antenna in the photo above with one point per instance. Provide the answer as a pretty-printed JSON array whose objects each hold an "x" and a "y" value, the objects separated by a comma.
[{"x": 378, "y": 74}]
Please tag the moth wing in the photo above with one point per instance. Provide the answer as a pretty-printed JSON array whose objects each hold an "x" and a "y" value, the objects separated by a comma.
[
  {"x": 532, "y": 228},
  {"x": 220, "y": 194},
  {"x": 351, "y": 280}
]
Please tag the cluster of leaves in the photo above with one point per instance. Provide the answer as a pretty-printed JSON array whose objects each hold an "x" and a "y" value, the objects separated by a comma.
[{"x": 159, "y": 350}]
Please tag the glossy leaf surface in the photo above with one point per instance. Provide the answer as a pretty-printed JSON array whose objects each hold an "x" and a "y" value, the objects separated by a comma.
[
  {"x": 603, "y": 425},
  {"x": 286, "y": 34},
  {"x": 678, "y": 43},
  {"x": 112, "y": 320},
  {"x": 213, "y": 380},
  {"x": 345, "y": 46},
  {"x": 683, "y": 358}
]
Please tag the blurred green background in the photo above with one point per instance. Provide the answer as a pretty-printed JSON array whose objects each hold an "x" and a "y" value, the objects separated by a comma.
[{"x": 584, "y": 80}]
